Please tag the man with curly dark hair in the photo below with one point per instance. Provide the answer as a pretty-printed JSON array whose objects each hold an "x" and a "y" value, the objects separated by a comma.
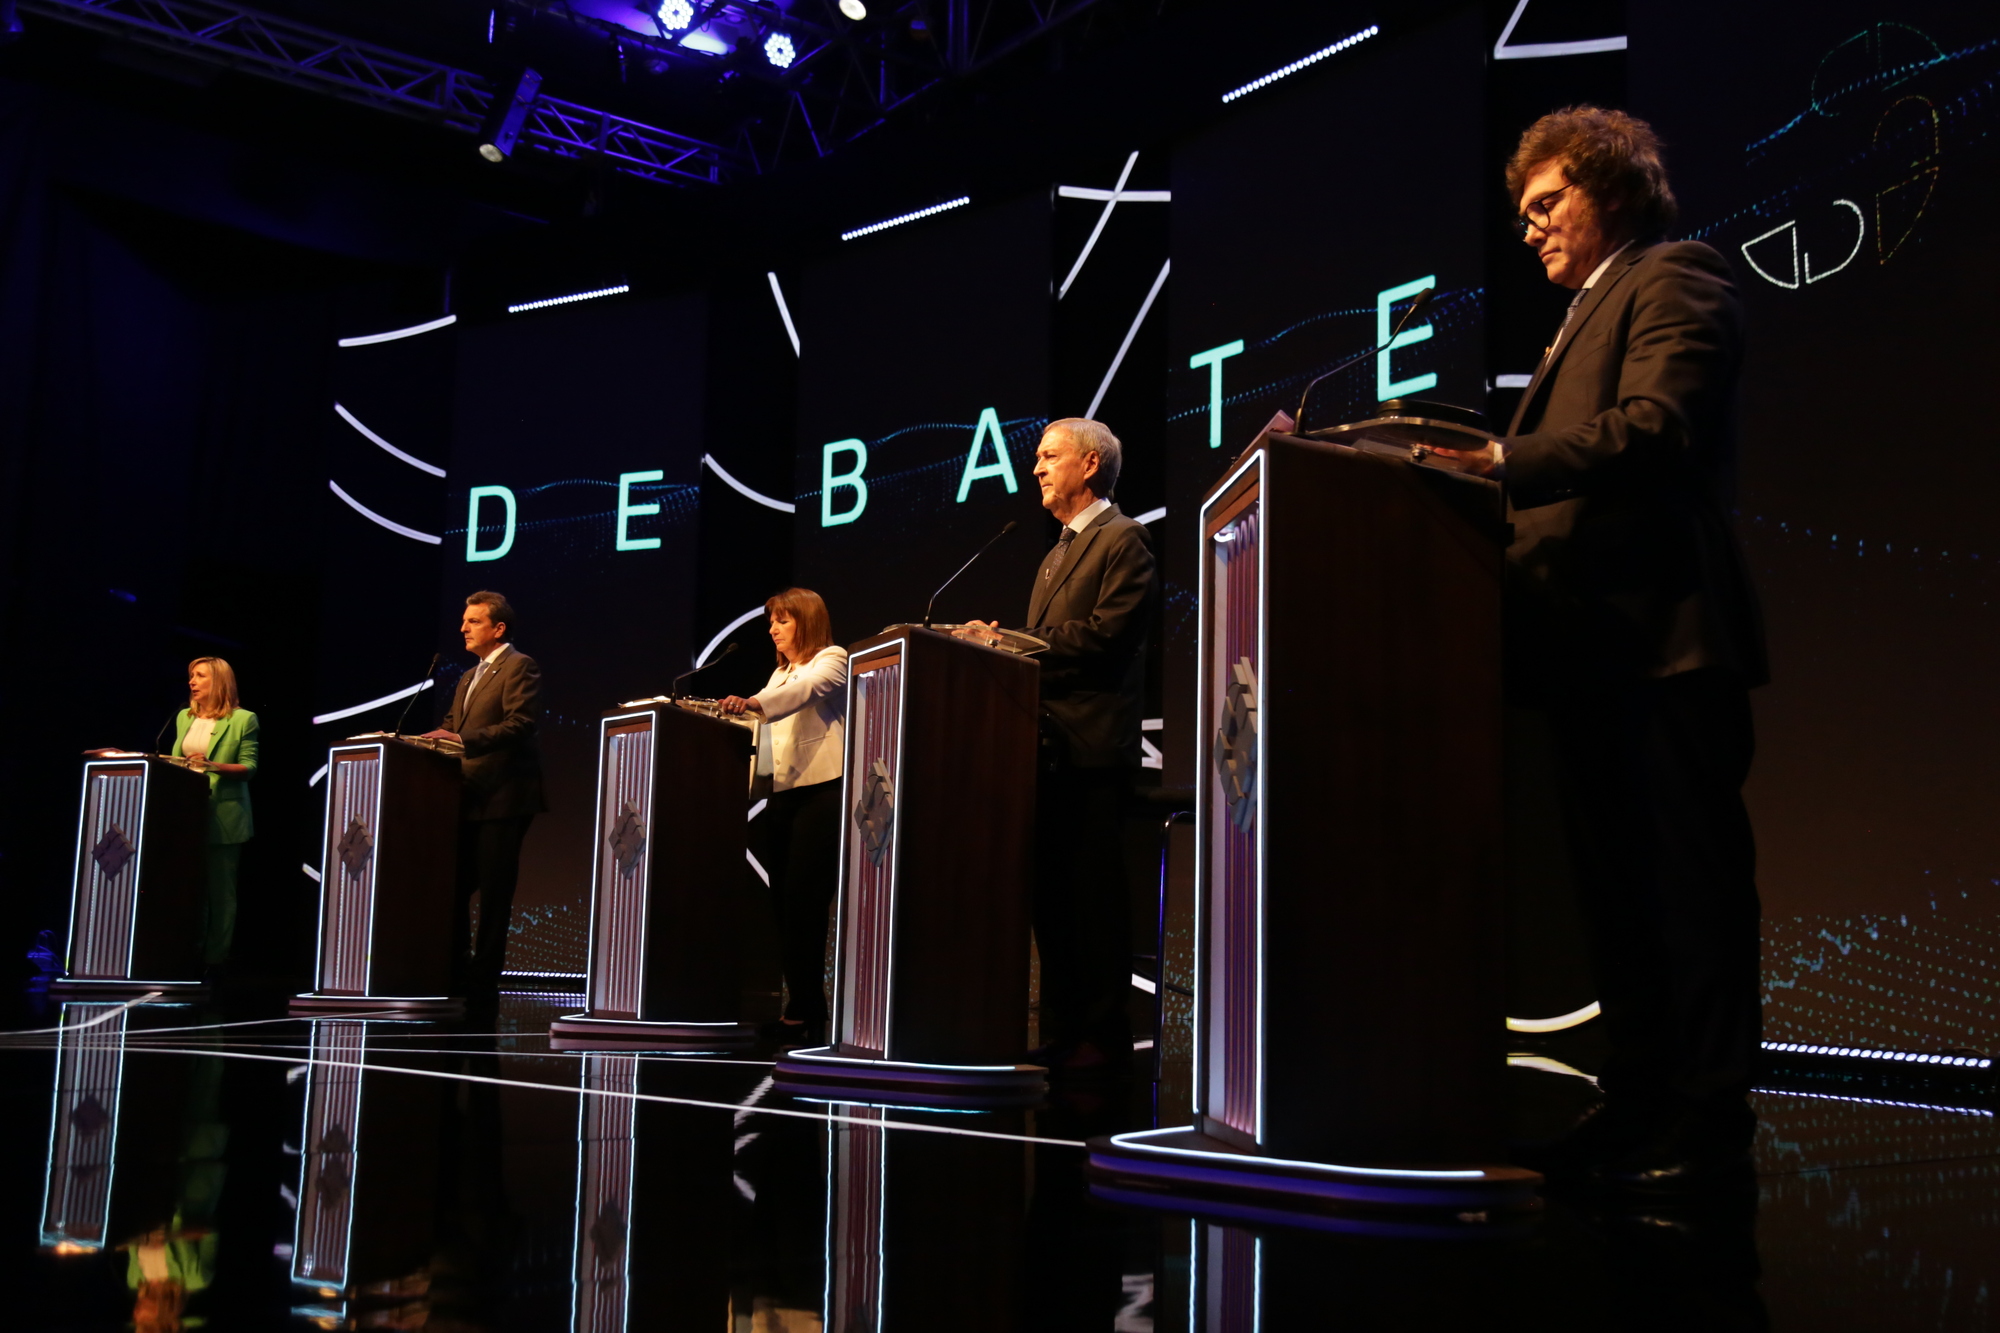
[{"x": 1633, "y": 625}]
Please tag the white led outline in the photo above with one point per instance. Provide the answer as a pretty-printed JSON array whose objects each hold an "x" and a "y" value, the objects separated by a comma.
[
  {"x": 311, "y": 873},
  {"x": 55, "y": 1109},
  {"x": 1124, "y": 196},
  {"x": 411, "y": 459},
  {"x": 340, "y": 713},
  {"x": 1350, "y": 40},
  {"x": 138, "y": 869},
  {"x": 1791, "y": 286},
  {"x": 313, "y": 781},
  {"x": 784, "y": 311},
  {"x": 1151, "y": 516},
  {"x": 808, "y": 1053},
  {"x": 597, "y": 861},
  {"x": 708, "y": 460},
  {"x": 726, "y": 631},
  {"x": 1145, "y": 308},
  {"x": 1569, "y": 1020},
  {"x": 368, "y": 339},
  {"x": 1542, "y": 50},
  {"x": 1132, "y": 1139},
  {"x": 548, "y": 301},
  {"x": 874, "y": 227},
  {"x": 375, "y": 518},
  {"x": 1860, "y": 235},
  {"x": 1103, "y": 216}
]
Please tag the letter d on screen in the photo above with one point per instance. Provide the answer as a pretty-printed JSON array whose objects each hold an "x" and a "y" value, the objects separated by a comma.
[
  {"x": 472, "y": 551},
  {"x": 852, "y": 479}
]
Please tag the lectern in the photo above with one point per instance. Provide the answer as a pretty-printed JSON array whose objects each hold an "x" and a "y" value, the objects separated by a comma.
[
  {"x": 137, "y": 896},
  {"x": 389, "y": 858},
  {"x": 931, "y": 937},
  {"x": 669, "y": 853},
  {"x": 1349, "y": 1000}
]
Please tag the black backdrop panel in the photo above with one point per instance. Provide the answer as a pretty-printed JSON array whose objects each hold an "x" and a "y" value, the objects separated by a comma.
[
  {"x": 909, "y": 343},
  {"x": 555, "y": 407},
  {"x": 1291, "y": 220},
  {"x": 1847, "y": 168}
]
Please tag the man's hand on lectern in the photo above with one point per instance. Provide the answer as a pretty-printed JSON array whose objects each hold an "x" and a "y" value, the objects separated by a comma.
[
  {"x": 442, "y": 735},
  {"x": 1484, "y": 462},
  {"x": 980, "y": 632}
]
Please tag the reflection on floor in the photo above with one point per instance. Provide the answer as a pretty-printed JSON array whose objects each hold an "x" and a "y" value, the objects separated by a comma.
[{"x": 179, "y": 1168}]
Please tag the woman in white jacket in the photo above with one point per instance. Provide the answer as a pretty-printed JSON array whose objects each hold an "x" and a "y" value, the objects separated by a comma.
[{"x": 799, "y": 832}]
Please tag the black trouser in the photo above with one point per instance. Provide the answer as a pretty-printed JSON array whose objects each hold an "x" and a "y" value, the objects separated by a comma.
[
  {"x": 799, "y": 841},
  {"x": 489, "y": 864},
  {"x": 1083, "y": 914},
  {"x": 1665, "y": 863}
]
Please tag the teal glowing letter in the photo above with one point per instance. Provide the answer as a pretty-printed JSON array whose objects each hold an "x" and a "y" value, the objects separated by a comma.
[
  {"x": 1213, "y": 359},
  {"x": 472, "y": 551},
  {"x": 627, "y": 510},
  {"x": 829, "y": 480},
  {"x": 1385, "y": 387},
  {"x": 1003, "y": 468}
]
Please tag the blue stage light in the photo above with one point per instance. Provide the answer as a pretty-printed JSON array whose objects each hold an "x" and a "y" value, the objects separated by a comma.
[
  {"x": 778, "y": 49},
  {"x": 676, "y": 14}
]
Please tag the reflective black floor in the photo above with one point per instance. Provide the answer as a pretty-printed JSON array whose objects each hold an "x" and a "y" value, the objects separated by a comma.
[{"x": 188, "y": 1168}]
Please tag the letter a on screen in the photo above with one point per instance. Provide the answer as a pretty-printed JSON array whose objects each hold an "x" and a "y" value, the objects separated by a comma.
[{"x": 1002, "y": 466}]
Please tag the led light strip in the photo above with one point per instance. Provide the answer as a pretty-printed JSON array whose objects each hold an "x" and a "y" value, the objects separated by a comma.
[
  {"x": 907, "y": 217},
  {"x": 1877, "y": 1101},
  {"x": 1863, "y": 1053},
  {"x": 368, "y": 339},
  {"x": 620, "y": 289},
  {"x": 1298, "y": 65}
]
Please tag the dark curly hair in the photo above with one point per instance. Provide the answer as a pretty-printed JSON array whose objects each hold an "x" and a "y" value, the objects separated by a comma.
[{"x": 1612, "y": 157}]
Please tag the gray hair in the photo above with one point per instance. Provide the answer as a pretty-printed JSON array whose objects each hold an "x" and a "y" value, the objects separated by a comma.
[{"x": 1094, "y": 437}]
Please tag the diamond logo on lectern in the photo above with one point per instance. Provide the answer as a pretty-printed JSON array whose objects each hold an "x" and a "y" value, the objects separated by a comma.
[
  {"x": 114, "y": 851},
  {"x": 608, "y": 1234},
  {"x": 628, "y": 839},
  {"x": 354, "y": 848},
  {"x": 875, "y": 814},
  {"x": 89, "y": 1118},
  {"x": 1236, "y": 746}
]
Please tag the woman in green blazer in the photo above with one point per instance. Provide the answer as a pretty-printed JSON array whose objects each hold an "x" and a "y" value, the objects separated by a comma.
[{"x": 218, "y": 737}]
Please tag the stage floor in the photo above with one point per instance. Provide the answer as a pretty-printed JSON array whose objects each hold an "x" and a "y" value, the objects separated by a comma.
[{"x": 418, "y": 1176}]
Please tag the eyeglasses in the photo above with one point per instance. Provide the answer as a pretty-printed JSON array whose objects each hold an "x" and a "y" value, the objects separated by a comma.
[{"x": 1537, "y": 213}]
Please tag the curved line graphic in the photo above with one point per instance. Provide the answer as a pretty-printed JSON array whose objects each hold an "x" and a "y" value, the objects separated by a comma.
[
  {"x": 708, "y": 460},
  {"x": 340, "y": 713},
  {"x": 726, "y": 631},
  {"x": 412, "y": 460},
  {"x": 1151, "y": 516},
  {"x": 374, "y": 517},
  {"x": 313, "y": 781},
  {"x": 1556, "y": 1024},
  {"x": 1860, "y": 235},
  {"x": 367, "y": 339},
  {"x": 1751, "y": 259}
]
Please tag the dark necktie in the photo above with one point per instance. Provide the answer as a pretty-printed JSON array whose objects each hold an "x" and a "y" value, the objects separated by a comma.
[
  {"x": 1568, "y": 315},
  {"x": 1054, "y": 562}
]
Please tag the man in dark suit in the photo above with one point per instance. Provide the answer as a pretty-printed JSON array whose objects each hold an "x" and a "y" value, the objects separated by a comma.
[
  {"x": 1093, "y": 603},
  {"x": 494, "y": 714},
  {"x": 1633, "y": 624}
]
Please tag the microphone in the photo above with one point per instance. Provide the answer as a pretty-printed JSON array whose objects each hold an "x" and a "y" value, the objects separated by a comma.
[
  {"x": 159, "y": 736},
  {"x": 674, "y": 691},
  {"x": 1421, "y": 301},
  {"x": 402, "y": 717},
  {"x": 1011, "y": 525}
]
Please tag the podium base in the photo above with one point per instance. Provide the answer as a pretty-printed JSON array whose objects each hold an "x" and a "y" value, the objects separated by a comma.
[
  {"x": 822, "y": 1071},
  {"x": 1187, "y": 1170},
  {"x": 118, "y": 988},
  {"x": 585, "y": 1032},
  {"x": 314, "y": 1004}
]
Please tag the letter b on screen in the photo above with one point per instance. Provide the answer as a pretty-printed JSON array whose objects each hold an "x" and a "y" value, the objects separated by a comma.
[{"x": 850, "y": 480}]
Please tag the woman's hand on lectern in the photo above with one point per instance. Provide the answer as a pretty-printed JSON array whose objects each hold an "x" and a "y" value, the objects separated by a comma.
[{"x": 736, "y": 705}]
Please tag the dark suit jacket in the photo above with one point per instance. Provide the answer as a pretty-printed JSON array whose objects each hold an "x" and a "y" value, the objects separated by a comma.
[
  {"x": 1095, "y": 613},
  {"x": 503, "y": 764},
  {"x": 1621, "y": 466}
]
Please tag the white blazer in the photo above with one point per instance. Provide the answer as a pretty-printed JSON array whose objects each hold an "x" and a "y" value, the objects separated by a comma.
[{"x": 805, "y": 706}]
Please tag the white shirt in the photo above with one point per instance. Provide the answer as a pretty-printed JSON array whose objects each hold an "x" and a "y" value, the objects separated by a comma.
[
  {"x": 805, "y": 705},
  {"x": 1088, "y": 516},
  {"x": 200, "y": 731}
]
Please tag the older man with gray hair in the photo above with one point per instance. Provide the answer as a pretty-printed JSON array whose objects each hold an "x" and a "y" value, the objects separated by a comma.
[{"x": 1093, "y": 603}]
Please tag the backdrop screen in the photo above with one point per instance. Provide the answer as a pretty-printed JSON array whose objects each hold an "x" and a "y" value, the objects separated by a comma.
[{"x": 1846, "y": 166}]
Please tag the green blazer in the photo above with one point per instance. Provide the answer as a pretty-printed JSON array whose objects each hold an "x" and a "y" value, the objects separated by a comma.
[{"x": 233, "y": 742}]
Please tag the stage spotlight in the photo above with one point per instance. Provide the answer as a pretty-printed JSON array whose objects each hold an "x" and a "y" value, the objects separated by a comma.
[
  {"x": 511, "y": 104},
  {"x": 854, "y": 9},
  {"x": 778, "y": 49},
  {"x": 676, "y": 14},
  {"x": 11, "y": 26}
]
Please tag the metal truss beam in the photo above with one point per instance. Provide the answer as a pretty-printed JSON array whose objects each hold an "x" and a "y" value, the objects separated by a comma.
[{"x": 238, "y": 38}]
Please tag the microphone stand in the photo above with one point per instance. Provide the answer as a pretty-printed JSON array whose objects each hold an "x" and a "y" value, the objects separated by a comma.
[
  {"x": 674, "y": 690},
  {"x": 1011, "y": 525},
  {"x": 404, "y": 716}
]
